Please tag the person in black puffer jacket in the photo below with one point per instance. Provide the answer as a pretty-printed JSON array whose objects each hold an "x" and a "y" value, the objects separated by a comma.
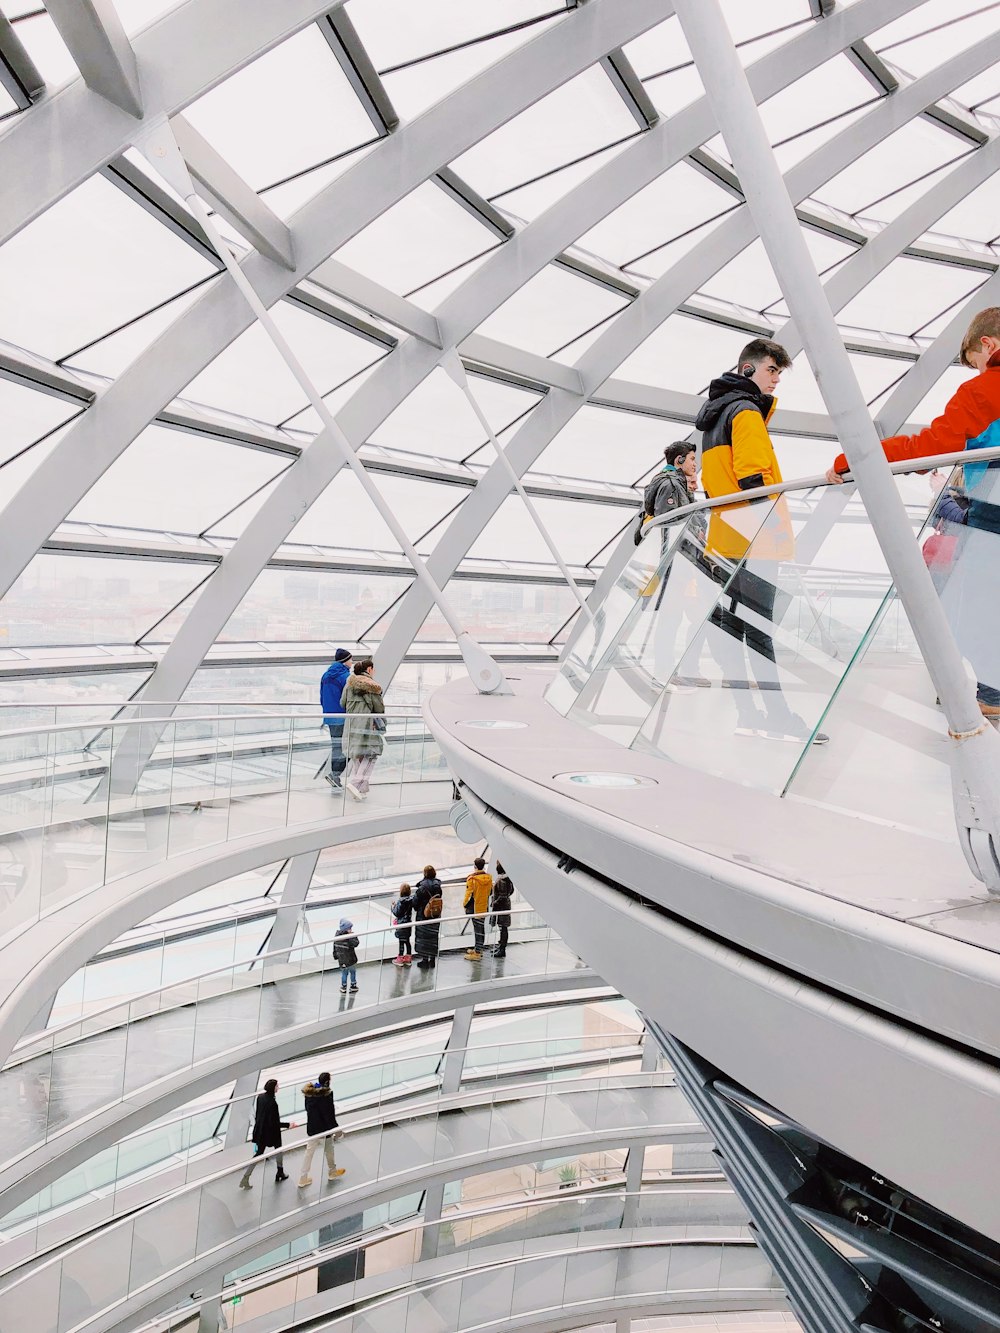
[
  {"x": 500, "y": 902},
  {"x": 429, "y": 887},
  {"x": 321, "y": 1127},
  {"x": 267, "y": 1127},
  {"x": 428, "y": 931}
]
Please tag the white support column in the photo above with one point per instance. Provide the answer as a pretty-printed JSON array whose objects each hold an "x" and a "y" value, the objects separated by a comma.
[
  {"x": 103, "y": 54},
  {"x": 454, "y": 1053},
  {"x": 976, "y": 748},
  {"x": 282, "y": 936},
  {"x": 232, "y": 198}
]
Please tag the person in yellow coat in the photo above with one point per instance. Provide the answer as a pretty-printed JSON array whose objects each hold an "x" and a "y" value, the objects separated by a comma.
[
  {"x": 737, "y": 454},
  {"x": 478, "y": 888}
]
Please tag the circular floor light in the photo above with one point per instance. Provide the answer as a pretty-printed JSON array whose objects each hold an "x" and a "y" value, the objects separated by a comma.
[{"x": 605, "y": 780}]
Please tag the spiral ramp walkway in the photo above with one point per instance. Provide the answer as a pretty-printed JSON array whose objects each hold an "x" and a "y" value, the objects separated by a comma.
[{"x": 88, "y": 1086}]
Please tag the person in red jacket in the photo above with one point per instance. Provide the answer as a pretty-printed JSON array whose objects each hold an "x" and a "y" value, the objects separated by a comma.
[{"x": 971, "y": 420}]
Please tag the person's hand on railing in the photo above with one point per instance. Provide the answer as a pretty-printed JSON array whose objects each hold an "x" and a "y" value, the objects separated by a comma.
[{"x": 834, "y": 478}]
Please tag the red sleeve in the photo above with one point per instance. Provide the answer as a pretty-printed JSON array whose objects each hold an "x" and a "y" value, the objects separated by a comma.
[{"x": 969, "y": 411}]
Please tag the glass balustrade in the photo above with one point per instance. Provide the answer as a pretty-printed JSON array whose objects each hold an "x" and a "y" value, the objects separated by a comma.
[
  {"x": 146, "y": 1164},
  {"x": 741, "y": 638},
  {"x": 161, "y": 953},
  {"x": 82, "y": 805},
  {"x": 393, "y": 1255},
  {"x": 89, "y": 1065},
  {"x": 445, "y": 1136}
]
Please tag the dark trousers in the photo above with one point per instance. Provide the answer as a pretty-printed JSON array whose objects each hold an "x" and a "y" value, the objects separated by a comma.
[
  {"x": 479, "y": 930},
  {"x": 758, "y": 595},
  {"x": 502, "y": 942},
  {"x": 404, "y": 935},
  {"x": 338, "y": 760}
]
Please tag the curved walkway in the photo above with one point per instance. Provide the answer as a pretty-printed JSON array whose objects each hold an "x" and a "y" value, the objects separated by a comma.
[
  {"x": 563, "y": 1282},
  {"x": 136, "y": 1267},
  {"x": 45, "y": 955},
  {"x": 191, "y": 1038}
]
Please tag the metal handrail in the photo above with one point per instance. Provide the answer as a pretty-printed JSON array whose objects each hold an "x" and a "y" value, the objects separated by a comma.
[
  {"x": 385, "y": 1230},
  {"x": 98, "y": 725},
  {"x": 445, "y": 1101},
  {"x": 486, "y": 1265},
  {"x": 276, "y": 956},
  {"x": 901, "y": 468}
]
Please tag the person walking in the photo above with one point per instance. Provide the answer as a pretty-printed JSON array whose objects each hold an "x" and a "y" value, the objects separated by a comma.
[
  {"x": 321, "y": 1127},
  {"x": 503, "y": 891},
  {"x": 267, "y": 1127},
  {"x": 362, "y": 702},
  {"x": 737, "y": 454},
  {"x": 331, "y": 687},
  {"x": 478, "y": 888},
  {"x": 427, "y": 888},
  {"x": 427, "y": 941},
  {"x": 345, "y": 951},
  {"x": 970, "y": 421},
  {"x": 402, "y": 910}
]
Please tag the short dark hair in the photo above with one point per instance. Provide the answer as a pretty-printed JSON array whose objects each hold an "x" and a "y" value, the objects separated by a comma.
[
  {"x": 324, "y": 1078},
  {"x": 479, "y": 863},
  {"x": 362, "y": 665},
  {"x": 985, "y": 324},
  {"x": 759, "y": 349},
  {"x": 430, "y": 872},
  {"x": 678, "y": 450},
  {"x": 270, "y": 1085}
]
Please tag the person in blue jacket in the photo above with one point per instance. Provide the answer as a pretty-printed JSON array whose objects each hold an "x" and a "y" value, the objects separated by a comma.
[{"x": 331, "y": 687}]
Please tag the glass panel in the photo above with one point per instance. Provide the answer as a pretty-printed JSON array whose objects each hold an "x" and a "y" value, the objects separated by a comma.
[
  {"x": 28, "y": 415},
  {"x": 69, "y": 599},
  {"x": 493, "y": 612},
  {"x": 550, "y": 310},
  {"x": 90, "y": 262},
  {"x": 291, "y": 109},
  {"x": 250, "y": 377},
  {"x": 416, "y": 240},
  {"x": 892, "y": 164},
  {"x": 436, "y": 418},
  {"x": 582, "y": 116},
  {"x": 579, "y": 530},
  {"x": 151, "y": 484}
]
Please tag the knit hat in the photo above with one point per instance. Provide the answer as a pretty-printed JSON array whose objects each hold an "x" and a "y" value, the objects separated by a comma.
[
  {"x": 345, "y": 924},
  {"x": 342, "y": 655}
]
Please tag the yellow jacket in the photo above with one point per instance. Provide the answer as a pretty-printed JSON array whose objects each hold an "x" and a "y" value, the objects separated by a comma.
[
  {"x": 737, "y": 454},
  {"x": 478, "y": 887}
]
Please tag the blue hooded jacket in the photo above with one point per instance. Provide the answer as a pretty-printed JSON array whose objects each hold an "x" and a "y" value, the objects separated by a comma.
[{"x": 331, "y": 687}]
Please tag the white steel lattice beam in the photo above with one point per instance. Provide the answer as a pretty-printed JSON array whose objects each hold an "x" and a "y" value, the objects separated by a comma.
[
  {"x": 96, "y": 40},
  {"x": 498, "y": 278}
]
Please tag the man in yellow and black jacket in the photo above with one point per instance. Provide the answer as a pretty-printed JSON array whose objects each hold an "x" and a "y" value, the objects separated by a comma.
[{"x": 737, "y": 454}]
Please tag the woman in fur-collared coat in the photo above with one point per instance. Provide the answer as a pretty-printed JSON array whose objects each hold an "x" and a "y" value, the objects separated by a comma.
[{"x": 364, "y": 729}]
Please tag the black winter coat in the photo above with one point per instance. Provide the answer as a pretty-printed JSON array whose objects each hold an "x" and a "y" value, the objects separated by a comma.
[
  {"x": 267, "y": 1122},
  {"x": 425, "y": 942},
  {"x": 321, "y": 1115},
  {"x": 425, "y": 891}
]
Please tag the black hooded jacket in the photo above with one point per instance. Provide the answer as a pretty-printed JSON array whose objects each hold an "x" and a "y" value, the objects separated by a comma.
[{"x": 729, "y": 395}]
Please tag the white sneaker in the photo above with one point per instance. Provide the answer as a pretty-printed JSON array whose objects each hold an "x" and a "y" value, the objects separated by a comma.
[{"x": 355, "y": 791}]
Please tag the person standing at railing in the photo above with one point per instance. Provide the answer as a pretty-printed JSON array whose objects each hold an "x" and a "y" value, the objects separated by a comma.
[
  {"x": 362, "y": 702},
  {"x": 745, "y": 544},
  {"x": 478, "y": 888},
  {"x": 427, "y": 888},
  {"x": 345, "y": 951},
  {"x": 500, "y": 904},
  {"x": 402, "y": 911},
  {"x": 427, "y": 941},
  {"x": 970, "y": 420},
  {"x": 267, "y": 1127},
  {"x": 331, "y": 688},
  {"x": 321, "y": 1127}
]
